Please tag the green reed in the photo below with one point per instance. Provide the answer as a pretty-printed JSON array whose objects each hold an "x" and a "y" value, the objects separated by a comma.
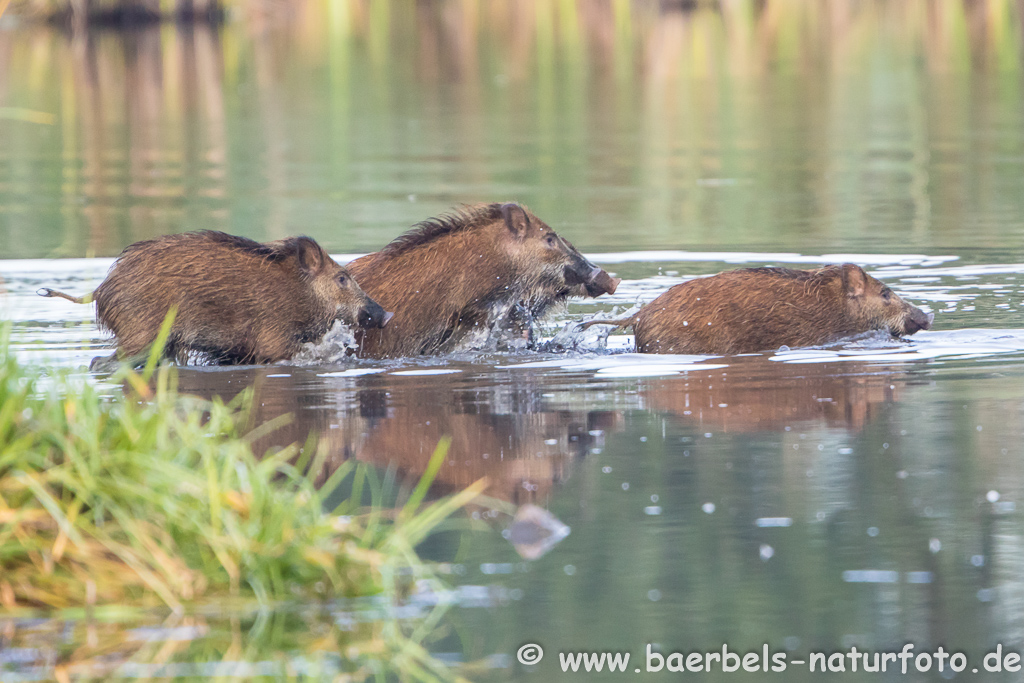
[{"x": 156, "y": 499}]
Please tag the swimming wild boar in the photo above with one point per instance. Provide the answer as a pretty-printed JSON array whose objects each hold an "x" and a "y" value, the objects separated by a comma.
[
  {"x": 485, "y": 267},
  {"x": 238, "y": 301},
  {"x": 760, "y": 309}
]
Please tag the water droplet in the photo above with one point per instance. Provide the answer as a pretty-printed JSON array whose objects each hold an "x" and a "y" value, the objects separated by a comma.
[
  {"x": 654, "y": 595},
  {"x": 625, "y": 486},
  {"x": 978, "y": 560},
  {"x": 654, "y": 498},
  {"x": 708, "y": 507},
  {"x": 766, "y": 552},
  {"x": 569, "y": 570},
  {"x": 872, "y": 531},
  {"x": 934, "y": 545},
  {"x": 652, "y": 510},
  {"x": 606, "y": 469},
  {"x": 992, "y": 496}
]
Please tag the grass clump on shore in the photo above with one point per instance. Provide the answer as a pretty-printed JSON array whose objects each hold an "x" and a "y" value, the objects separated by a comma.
[{"x": 155, "y": 499}]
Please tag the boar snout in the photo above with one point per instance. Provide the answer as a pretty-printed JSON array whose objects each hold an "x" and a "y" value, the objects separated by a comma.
[
  {"x": 918, "y": 320},
  {"x": 593, "y": 278},
  {"x": 601, "y": 283},
  {"x": 374, "y": 315}
]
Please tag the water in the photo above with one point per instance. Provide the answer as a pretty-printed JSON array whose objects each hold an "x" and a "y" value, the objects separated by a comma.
[{"x": 812, "y": 500}]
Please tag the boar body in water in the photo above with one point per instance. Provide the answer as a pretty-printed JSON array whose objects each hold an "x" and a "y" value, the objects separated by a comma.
[
  {"x": 760, "y": 309},
  {"x": 486, "y": 267},
  {"x": 238, "y": 301}
]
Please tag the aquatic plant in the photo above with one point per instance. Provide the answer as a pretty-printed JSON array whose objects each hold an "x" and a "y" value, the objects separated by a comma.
[{"x": 156, "y": 499}]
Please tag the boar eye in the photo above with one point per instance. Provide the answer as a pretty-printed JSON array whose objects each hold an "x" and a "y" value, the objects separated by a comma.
[
  {"x": 343, "y": 280},
  {"x": 550, "y": 240},
  {"x": 886, "y": 294}
]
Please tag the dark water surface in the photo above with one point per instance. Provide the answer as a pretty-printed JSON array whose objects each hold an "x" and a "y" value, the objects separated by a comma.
[{"x": 812, "y": 500}]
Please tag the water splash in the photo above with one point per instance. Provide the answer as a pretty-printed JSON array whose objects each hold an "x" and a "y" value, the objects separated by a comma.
[{"x": 336, "y": 346}]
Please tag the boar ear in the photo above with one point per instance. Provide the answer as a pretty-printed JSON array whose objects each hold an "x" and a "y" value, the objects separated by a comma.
[
  {"x": 516, "y": 219},
  {"x": 311, "y": 255},
  {"x": 855, "y": 280}
]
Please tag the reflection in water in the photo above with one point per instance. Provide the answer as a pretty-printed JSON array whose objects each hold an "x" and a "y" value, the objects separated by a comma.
[
  {"x": 747, "y": 396},
  {"x": 527, "y": 438},
  {"x": 352, "y": 120},
  {"x": 510, "y": 434},
  {"x": 523, "y": 452}
]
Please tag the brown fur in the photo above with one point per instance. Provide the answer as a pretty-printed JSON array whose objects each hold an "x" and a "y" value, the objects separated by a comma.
[
  {"x": 239, "y": 301},
  {"x": 759, "y": 309},
  {"x": 486, "y": 266}
]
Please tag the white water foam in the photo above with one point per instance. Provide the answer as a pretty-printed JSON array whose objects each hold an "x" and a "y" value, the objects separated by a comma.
[
  {"x": 624, "y": 364},
  {"x": 957, "y": 344},
  {"x": 352, "y": 372},
  {"x": 432, "y": 371}
]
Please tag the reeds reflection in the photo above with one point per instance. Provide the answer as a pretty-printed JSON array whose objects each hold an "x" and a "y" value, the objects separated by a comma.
[{"x": 783, "y": 122}]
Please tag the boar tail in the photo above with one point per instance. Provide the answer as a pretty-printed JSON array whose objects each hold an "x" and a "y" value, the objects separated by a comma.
[
  {"x": 624, "y": 322},
  {"x": 46, "y": 291}
]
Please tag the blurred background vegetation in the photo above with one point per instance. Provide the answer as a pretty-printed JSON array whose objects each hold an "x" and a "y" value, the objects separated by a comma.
[{"x": 847, "y": 124}]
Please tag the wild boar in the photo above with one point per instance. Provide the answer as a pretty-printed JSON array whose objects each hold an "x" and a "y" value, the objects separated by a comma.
[
  {"x": 482, "y": 268},
  {"x": 759, "y": 309},
  {"x": 238, "y": 301}
]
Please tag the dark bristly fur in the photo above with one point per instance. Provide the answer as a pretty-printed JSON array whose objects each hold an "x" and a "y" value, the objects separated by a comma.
[
  {"x": 478, "y": 268},
  {"x": 238, "y": 300},
  {"x": 457, "y": 220},
  {"x": 759, "y": 309}
]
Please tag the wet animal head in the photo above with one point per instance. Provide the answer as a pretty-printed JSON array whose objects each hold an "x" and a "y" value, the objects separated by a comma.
[
  {"x": 335, "y": 286},
  {"x": 874, "y": 304},
  {"x": 551, "y": 261}
]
